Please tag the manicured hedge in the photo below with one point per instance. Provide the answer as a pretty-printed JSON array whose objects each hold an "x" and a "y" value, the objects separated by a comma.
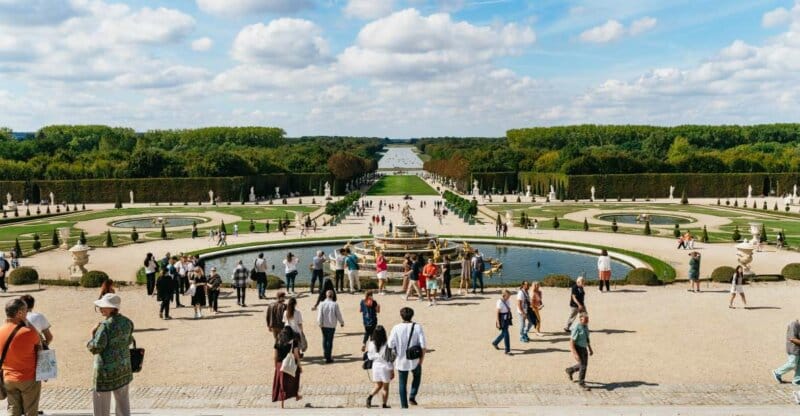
[
  {"x": 557, "y": 280},
  {"x": 723, "y": 274},
  {"x": 93, "y": 278},
  {"x": 643, "y": 277},
  {"x": 791, "y": 271},
  {"x": 274, "y": 282},
  {"x": 23, "y": 276}
]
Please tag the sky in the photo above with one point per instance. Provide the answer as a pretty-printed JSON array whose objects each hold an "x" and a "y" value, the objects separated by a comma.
[{"x": 397, "y": 68}]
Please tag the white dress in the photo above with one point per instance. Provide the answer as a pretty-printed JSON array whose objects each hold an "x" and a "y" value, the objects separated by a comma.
[
  {"x": 381, "y": 369},
  {"x": 734, "y": 287}
]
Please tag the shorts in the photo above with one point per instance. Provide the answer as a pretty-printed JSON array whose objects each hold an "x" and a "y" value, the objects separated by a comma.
[
  {"x": 432, "y": 284},
  {"x": 737, "y": 289},
  {"x": 605, "y": 275},
  {"x": 382, "y": 275}
]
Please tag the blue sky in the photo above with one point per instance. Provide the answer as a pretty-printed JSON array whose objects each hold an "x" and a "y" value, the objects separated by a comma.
[{"x": 397, "y": 68}]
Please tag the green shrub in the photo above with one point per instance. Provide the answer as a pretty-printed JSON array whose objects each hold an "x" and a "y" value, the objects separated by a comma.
[
  {"x": 274, "y": 282},
  {"x": 23, "y": 276},
  {"x": 109, "y": 241},
  {"x": 222, "y": 228},
  {"x": 722, "y": 274},
  {"x": 763, "y": 237},
  {"x": 585, "y": 225},
  {"x": 614, "y": 226},
  {"x": 17, "y": 248},
  {"x": 764, "y": 205},
  {"x": 141, "y": 276},
  {"x": 677, "y": 231},
  {"x": 556, "y": 224},
  {"x": 791, "y": 271},
  {"x": 164, "y": 232},
  {"x": 118, "y": 202},
  {"x": 55, "y": 241},
  {"x": 557, "y": 280},
  {"x": 134, "y": 235},
  {"x": 704, "y": 237},
  {"x": 684, "y": 199},
  {"x": 93, "y": 278},
  {"x": 82, "y": 238},
  {"x": 647, "y": 228},
  {"x": 58, "y": 282},
  {"x": 37, "y": 245},
  {"x": 642, "y": 277},
  {"x": 252, "y": 226},
  {"x": 736, "y": 234}
]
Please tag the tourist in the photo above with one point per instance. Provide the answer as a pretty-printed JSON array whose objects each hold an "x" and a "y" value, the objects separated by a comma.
[
  {"x": 327, "y": 316},
  {"x": 260, "y": 266},
  {"x": 524, "y": 312},
  {"x": 275, "y": 314},
  {"x": 446, "y": 292},
  {"x": 430, "y": 274},
  {"x": 164, "y": 289},
  {"x": 338, "y": 267},
  {"x": 413, "y": 277},
  {"x": 294, "y": 319},
  {"x": 407, "y": 339},
  {"x": 110, "y": 343},
  {"x": 581, "y": 349},
  {"x": 369, "y": 229},
  {"x": 792, "y": 351},
  {"x": 382, "y": 370},
  {"x": 503, "y": 321},
  {"x": 172, "y": 272},
  {"x": 290, "y": 266},
  {"x": 4, "y": 266},
  {"x": 326, "y": 286},
  {"x": 106, "y": 287},
  {"x": 407, "y": 263},
  {"x": 369, "y": 309},
  {"x": 477, "y": 271},
  {"x": 150, "y": 269},
  {"x": 576, "y": 303},
  {"x": 239, "y": 279},
  {"x": 200, "y": 283},
  {"x": 694, "y": 272},
  {"x": 352, "y": 271},
  {"x": 466, "y": 274},
  {"x": 736, "y": 286},
  {"x": 505, "y": 229},
  {"x": 391, "y": 226},
  {"x": 214, "y": 284},
  {"x": 15, "y": 257},
  {"x": 536, "y": 306},
  {"x": 19, "y": 362},
  {"x": 184, "y": 269},
  {"x": 38, "y": 321},
  {"x": 317, "y": 272},
  {"x": 235, "y": 230},
  {"x": 285, "y": 386},
  {"x": 604, "y": 270},
  {"x": 381, "y": 268},
  {"x": 266, "y": 227}
]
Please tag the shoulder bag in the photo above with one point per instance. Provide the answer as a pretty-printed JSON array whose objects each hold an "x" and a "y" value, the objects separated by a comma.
[
  {"x": 3, "y": 392},
  {"x": 367, "y": 364},
  {"x": 415, "y": 352},
  {"x": 137, "y": 358},
  {"x": 254, "y": 273},
  {"x": 389, "y": 354}
]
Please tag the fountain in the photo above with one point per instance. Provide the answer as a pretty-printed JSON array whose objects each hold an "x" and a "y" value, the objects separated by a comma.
[{"x": 406, "y": 239}]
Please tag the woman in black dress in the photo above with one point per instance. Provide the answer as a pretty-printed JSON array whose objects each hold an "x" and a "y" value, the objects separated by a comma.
[
  {"x": 200, "y": 283},
  {"x": 286, "y": 386},
  {"x": 446, "y": 293}
]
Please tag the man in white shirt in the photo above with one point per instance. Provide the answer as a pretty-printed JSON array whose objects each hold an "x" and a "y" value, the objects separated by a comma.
[
  {"x": 38, "y": 320},
  {"x": 328, "y": 314},
  {"x": 523, "y": 306},
  {"x": 339, "y": 269},
  {"x": 401, "y": 339}
]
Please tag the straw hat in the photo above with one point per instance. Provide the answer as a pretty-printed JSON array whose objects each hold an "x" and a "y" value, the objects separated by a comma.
[{"x": 109, "y": 300}]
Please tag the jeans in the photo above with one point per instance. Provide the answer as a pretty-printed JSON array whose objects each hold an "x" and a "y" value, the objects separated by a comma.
[
  {"x": 792, "y": 363},
  {"x": 368, "y": 330},
  {"x": 339, "y": 280},
  {"x": 213, "y": 300},
  {"x": 101, "y": 401},
  {"x": 525, "y": 324},
  {"x": 164, "y": 307},
  {"x": 403, "y": 382},
  {"x": 151, "y": 283},
  {"x": 327, "y": 343},
  {"x": 477, "y": 276},
  {"x": 503, "y": 336},
  {"x": 290, "y": 277},
  {"x": 315, "y": 275},
  {"x": 3, "y": 282},
  {"x": 240, "y": 292},
  {"x": 261, "y": 284},
  {"x": 580, "y": 367}
]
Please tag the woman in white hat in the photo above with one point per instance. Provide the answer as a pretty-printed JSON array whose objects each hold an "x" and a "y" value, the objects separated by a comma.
[{"x": 112, "y": 360}]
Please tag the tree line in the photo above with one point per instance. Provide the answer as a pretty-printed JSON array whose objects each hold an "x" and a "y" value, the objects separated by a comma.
[{"x": 102, "y": 152}]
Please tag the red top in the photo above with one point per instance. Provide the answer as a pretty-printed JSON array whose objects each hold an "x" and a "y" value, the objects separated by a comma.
[{"x": 380, "y": 264}]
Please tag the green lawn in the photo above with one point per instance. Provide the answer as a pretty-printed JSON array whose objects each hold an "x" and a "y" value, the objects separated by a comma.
[{"x": 401, "y": 185}]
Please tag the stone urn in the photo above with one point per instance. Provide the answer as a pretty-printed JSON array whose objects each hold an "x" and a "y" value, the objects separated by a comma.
[
  {"x": 63, "y": 234},
  {"x": 755, "y": 230},
  {"x": 744, "y": 254},
  {"x": 80, "y": 257}
]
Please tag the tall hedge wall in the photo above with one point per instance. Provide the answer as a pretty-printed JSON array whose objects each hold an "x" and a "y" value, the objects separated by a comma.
[{"x": 169, "y": 189}]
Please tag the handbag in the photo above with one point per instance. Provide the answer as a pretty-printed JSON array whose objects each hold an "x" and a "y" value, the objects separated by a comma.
[
  {"x": 508, "y": 317},
  {"x": 289, "y": 365},
  {"x": 191, "y": 290},
  {"x": 3, "y": 392},
  {"x": 389, "y": 354},
  {"x": 137, "y": 358},
  {"x": 415, "y": 352},
  {"x": 46, "y": 365},
  {"x": 367, "y": 364}
]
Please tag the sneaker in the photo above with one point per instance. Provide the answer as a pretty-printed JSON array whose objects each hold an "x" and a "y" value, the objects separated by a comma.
[
  {"x": 584, "y": 386},
  {"x": 569, "y": 373},
  {"x": 495, "y": 346},
  {"x": 509, "y": 353},
  {"x": 413, "y": 402},
  {"x": 776, "y": 376}
]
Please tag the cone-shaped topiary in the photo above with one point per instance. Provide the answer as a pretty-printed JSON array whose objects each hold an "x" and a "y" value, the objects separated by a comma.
[
  {"x": 17, "y": 248},
  {"x": 118, "y": 202},
  {"x": 647, "y": 227},
  {"x": 556, "y": 224},
  {"x": 684, "y": 199},
  {"x": 37, "y": 245},
  {"x": 48, "y": 209},
  {"x": 764, "y": 205},
  {"x": 222, "y": 228},
  {"x": 585, "y": 224},
  {"x": 704, "y": 237},
  {"x": 109, "y": 241},
  {"x": 55, "y": 241},
  {"x": 134, "y": 235},
  {"x": 614, "y": 226},
  {"x": 763, "y": 237},
  {"x": 82, "y": 238},
  {"x": 677, "y": 231},
  {"x": 252, "y": 226},
  {"x": 164, "y": 232},
  {"x": 28, "y": 210}
]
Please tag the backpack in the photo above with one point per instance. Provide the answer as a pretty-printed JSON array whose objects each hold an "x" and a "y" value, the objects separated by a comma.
[{"x": 481, "y": 265}]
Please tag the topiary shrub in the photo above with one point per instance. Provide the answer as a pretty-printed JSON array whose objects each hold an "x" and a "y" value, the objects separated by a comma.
[
  {"x": 642, "y": 277},
  {"x": 367, "y": 283},
  {"x": 736, "y": 234},
  {"x": 791, "y": 271},
  {"x": 109, "y": 241},
  {"x": 37, "y": 245},
  {"x": 704, "y": 237},
  {"x": 647, "y": 228},
  {"x": 163, "y": 233},
  {"x": 614, "y": 226},
  {"x": 118, "y": 202},
  {"x": 82, "y": 238},
  {"x": 55, "y": 241},
  {"x": 676, "y": 231},
  {"x": 684, "y": 199},
  {"x": 763, "y": 237},
  {"x": 23, "y": 276},
  {"x": 93, "y": 278},
  {"x": 556, "y": 224},
  {"x": 585, "y": 224},
  {"x": 722, "y": 274},
  {"x": 557, "y": 280},
  {"x": 134, "y": 235},
  {"x": 274, "y": 282}
]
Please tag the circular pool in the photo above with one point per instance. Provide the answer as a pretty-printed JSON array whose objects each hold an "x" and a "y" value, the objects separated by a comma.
[
  {"x": 655, "y": 219},
  {"x": 156, "y": 222},
  {"x": 519, "y": 262}
]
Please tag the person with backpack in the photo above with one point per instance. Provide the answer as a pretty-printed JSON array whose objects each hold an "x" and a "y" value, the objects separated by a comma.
[
  {"x": 275, "y": 312},
  {"x": 478, "y": 267},
  {"x": 503, "y": 321},
  {"x": 369, "y": 309},
  {"x": 407, "y": 339}
]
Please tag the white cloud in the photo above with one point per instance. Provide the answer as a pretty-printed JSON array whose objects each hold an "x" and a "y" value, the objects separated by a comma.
[
  {"x": 147, "y": 26},
  {"x": 368, "y": 9},
  {"x": 642, "y": 25},
  {"x": 251, "y": 79},
  {"x": 777, "y": 17},
  {"x": 613, "y": 30},
  {"x": 607, "y": 32},
  {"x": 232, "y": 8},
  {"x": 165, "y": 78},
  {"x": 407, "y": 44},
  {"x": 285, "y": 42},
  {"x": 38, "y": 12},
  {"x": 202, "y": 44}
]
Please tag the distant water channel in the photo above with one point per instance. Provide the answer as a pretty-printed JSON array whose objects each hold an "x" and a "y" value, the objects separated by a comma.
[{"x": 400, "y": 158}]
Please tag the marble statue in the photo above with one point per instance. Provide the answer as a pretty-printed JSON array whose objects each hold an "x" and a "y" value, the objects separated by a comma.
[
  {"x": 131, "y": 195},
  {"x": 327, "y": 190},
  {"x": 528, "y": 191},
  {"x": 8, "y": 198},
  {"x": 671, "y": 192},
  {"x": 252, "y": 196},
  {"x": 277, "y": 192},
  {"x": 592, "y": 193},
  {"x": 475, "y": 190},
  {"x": 749, "y": 191},
  {"x": 552, "y": 194},
  {"x": 52, "y": 199},
  {"x": 210, "y": 196},
  {"x": 794, "y": 193}
]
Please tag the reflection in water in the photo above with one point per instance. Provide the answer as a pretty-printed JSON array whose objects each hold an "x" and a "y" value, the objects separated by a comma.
[{"x": 400, "y": 158}]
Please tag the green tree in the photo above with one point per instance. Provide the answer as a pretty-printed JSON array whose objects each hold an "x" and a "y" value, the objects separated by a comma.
[
  {"x": 736, "y": 236},
  {"x": 704, "y": 237},
  {"x": 164, "y": 232},
  {"x": 585, "y": 224},
  {"x": 55, "y": 241},
  {"x": 37, "y": 245},
  {"x": 647, "y": 227},
  {"x": 82, "y": 238},
  {"x": 118, "y": 202},
  {"x": 109, "y": 241},
  {"x": 614, "y": 226},
  {"x": 556, "y": 224},
  {"x": 134, "y": 235},
  {"x": 763, "y": 237},
  {"x": 676, "y": 231},
  {"x": 17, "y": 248},
  {"x": 684, "y": 199}
]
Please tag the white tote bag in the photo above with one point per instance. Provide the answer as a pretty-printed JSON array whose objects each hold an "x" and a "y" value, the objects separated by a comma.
[
  {"x": 46, "y": 365},
  {"x": 289, "y": 365},
  {"x": 190, "y": 291}
]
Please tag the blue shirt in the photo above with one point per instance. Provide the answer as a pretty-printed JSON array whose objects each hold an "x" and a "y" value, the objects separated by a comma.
[
  {"x": 352, "y": 262},
  {"x": 580, "y": 334},
  {"x": 369, "y": 314}
]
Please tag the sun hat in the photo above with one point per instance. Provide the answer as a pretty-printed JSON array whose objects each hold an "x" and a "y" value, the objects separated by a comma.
[{"x": 109, "y": 300}]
